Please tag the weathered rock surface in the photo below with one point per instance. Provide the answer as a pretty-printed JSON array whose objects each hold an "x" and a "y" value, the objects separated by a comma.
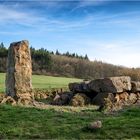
[
  {"x": 80, "y": 99},
  {"x": 1, "y": 96},
  {"x": 133, "y": 98},
  {"x": 111, "y": 94},
  {"x": 124, "y": 96},
  {"x": 19, "y": 69},
  {"x": 62, "y": 99},
  {"x": 79, "y": 87},
  {"x": 135, "y": 86},
  {"x": 111, "y": 84},
  {"x": 100, "y": 98},
  {"x": 8, "y": 100}
]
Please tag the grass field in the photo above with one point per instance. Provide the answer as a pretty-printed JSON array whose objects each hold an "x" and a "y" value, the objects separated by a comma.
[
  {"x": 45, "y": 82},
  {"x": 33, "y": 123},
  {"x": 64, "y": 122}
]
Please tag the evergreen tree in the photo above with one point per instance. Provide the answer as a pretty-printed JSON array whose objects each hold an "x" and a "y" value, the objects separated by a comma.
[
  {"x": 2, "y": 45},
  {"x": 67, "y": 54},
  {"x": 3, "y": 50},
  {"x": 57, "y": 52},
  {"x": 86, "y": 57},
  {"x": 73, "y": 55}
]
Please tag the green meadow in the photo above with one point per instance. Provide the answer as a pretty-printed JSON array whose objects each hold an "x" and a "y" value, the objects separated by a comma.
[
  {"x": 67, "y": 123},
  {"x": 43, "y": 82}
]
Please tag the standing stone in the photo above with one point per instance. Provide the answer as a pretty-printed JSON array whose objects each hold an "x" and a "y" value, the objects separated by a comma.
[{"x": 19, "y": 70}]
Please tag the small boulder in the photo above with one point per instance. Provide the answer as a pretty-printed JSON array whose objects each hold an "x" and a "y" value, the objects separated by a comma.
[
  {"x": 95, "y": 125},
  {"x": 132, "y": 98},
  {"x": 80, "y": 99},
  {"x": 62, "y": 99}
]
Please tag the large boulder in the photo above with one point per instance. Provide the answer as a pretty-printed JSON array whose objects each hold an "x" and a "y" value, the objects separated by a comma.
[
  {"x": 100, "y": 98},
  {"x": 135, "y": 86},
  {"x": 79, "y": 87},
  {"x": 19, "y": 69},
  {"x": 111, "y": 84}
]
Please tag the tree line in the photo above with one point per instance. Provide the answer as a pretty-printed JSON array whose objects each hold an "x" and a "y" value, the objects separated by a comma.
[{"x": 70, "y": 65}]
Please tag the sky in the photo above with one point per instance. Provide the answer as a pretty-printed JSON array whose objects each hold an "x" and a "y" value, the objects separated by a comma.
[{"x": 107, "y": 31}]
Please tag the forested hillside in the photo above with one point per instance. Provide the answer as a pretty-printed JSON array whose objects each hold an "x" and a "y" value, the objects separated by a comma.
[{"x": 70, "y": 65}]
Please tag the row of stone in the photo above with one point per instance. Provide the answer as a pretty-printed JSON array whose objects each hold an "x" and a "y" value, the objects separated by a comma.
[
  {"x": 101, "y": 99},
  {"x": 109, "y": 85}
]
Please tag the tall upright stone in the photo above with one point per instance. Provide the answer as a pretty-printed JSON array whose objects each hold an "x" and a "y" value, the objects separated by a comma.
[{"x": 19, "y": 70}]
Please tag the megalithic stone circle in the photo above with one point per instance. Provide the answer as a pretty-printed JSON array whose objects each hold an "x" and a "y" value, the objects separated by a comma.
[{"x": 19, "y": 69}]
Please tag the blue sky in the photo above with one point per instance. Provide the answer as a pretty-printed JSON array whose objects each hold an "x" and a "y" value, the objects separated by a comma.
[{"x": 104, "y": 30}]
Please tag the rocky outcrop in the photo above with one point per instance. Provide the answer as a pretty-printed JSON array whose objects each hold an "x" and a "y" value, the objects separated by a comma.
[
  {"x": 111, "y": 84},
  {"x": 19, "y": 70},
  {"x": 111, "y": 93}
]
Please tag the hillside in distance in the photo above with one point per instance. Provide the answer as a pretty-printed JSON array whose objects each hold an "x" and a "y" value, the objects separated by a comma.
[{"x": 45, "y": 62}]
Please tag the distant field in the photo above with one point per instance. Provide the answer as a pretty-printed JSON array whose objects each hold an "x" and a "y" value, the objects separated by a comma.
[{"x": 45, "y": 82}]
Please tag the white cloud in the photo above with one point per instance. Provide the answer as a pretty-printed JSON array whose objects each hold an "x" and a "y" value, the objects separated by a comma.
[
  {"x": 14, "y": 15},
  {"x": 122, "y": 53},
  {"x": 85, "y": 3},
  {"x": 126, "y": 59},
  {"x": 8, "y": 13},
  {"x": 11, "y": 33},
  {"x": 10, "y": 16}
]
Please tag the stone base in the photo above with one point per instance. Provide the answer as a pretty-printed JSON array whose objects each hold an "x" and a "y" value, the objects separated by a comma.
[
  {"x": 21, "y": 99},
  {"x": 122, "y": 100},
  {"x": 9, "y": 100}
]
